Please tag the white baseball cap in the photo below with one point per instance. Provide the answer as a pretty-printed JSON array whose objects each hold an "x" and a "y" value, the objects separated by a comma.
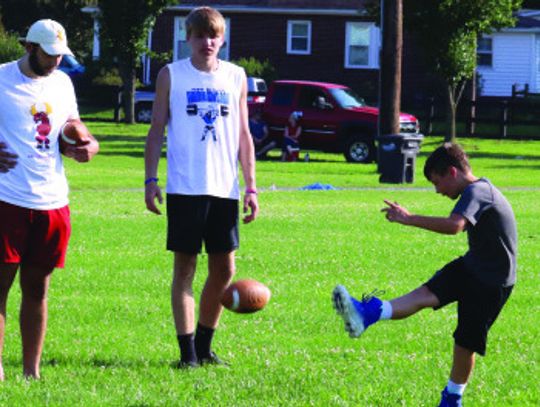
[{"x": 50, "y": 35}]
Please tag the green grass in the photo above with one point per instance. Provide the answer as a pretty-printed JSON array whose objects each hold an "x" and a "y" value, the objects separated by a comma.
[{"x": 111, "y": 339}]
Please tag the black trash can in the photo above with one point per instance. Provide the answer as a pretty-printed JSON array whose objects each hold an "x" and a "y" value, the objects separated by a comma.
[{"x": 397, "y": 157}]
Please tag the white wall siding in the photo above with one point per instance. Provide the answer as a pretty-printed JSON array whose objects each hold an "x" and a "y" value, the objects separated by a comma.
[
  {"x": 512, "y": 61},
  {"x": 536, "y": 88}
]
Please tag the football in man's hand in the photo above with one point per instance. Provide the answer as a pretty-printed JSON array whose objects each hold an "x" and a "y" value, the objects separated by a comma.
[
  {"x": 245, "y": 296},
  {"x": 74, "y": 133}
]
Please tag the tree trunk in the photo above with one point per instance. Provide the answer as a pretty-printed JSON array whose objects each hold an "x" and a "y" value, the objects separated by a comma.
[
  {"x": 455, "y": 91},
  {"x": 390, "y": 92},
  {"x": 450, "y": 135},
  {"x": 127, "y": 73},
  {"x": 472, "y": 111}
]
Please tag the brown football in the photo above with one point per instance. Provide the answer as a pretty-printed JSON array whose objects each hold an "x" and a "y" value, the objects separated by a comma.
[
  {"x": 245, "y": 296},
  {"x": 74, "y": 133}
]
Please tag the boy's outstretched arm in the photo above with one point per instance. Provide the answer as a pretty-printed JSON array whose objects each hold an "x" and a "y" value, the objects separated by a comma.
[{"x": 451, "y": 225}]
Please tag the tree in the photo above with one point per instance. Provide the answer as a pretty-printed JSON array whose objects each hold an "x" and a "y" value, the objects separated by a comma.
[
  {"x": 260, "y": 69},
  {"x": 10, "y": 49},
  {"x": 18, "y": 15},
  {"x": 448, "y": 31},
  {"x": 124, "y": 27},
  {"x": 390, "y": 83}
]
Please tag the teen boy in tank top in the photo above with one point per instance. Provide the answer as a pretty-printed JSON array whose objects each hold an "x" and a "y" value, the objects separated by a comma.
[{"x": 203, "y": 103}]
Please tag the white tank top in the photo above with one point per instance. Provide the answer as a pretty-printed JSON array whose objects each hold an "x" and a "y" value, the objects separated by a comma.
[
  {"x": 203, "y": 130},
  {"x": 33, "y": 111}
]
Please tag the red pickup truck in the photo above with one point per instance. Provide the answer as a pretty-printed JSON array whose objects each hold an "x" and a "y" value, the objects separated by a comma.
[{"x": 333, "y": 118}]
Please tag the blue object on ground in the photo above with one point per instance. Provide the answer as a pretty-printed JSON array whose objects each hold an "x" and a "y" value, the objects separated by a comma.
[{"x": 318, "y": 186}]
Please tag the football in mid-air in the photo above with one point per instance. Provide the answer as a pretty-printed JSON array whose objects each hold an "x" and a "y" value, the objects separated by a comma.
[
  {"x": 74, "y": 133},
  {"x": 245, "y": 296}
]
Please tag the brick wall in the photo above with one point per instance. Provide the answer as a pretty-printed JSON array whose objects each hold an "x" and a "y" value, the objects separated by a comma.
[{"x": 265, "y": 37}]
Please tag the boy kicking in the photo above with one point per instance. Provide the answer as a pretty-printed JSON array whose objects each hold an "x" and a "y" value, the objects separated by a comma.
[{"x": 480, "y": 281}]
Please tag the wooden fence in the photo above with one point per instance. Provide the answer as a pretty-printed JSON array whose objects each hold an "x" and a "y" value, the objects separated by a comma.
[{"x": 517, "y": 117}]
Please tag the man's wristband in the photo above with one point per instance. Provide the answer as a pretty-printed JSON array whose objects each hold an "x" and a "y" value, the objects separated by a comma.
[
  {"x": 251, "y": 191},
  {"x": 149, "y": 180}
]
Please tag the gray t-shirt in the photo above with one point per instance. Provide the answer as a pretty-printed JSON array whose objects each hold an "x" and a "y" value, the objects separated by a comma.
[{"x": 491, "y": 233}]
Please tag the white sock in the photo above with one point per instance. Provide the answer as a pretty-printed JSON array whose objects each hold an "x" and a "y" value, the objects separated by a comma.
[
  {"x": 455, "y": 388},
  {"x": 386, "y": 312}
]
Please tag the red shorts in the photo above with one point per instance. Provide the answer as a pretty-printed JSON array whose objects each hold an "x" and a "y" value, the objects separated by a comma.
[{"x": 34, "y": 237}]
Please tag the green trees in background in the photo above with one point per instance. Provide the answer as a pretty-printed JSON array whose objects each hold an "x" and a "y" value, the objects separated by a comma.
[
  {"x": 260, "y": 69},
  {"x": 124, "y": 29},
  {"x": 18, "y": 15},
  {"x": 448, "y": 31},
  {"x": 10, "y": 48}
]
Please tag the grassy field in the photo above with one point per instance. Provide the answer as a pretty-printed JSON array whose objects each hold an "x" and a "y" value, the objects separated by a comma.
[{"x": 111, "y": 339}]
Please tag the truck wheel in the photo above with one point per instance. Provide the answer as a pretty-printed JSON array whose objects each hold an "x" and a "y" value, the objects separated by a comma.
[
  {"x": 358, "y": 150},
  {"x": 143, "y": 112}
]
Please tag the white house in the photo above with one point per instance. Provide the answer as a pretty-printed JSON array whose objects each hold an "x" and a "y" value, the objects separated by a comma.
[{"x": 511, "y": 57}]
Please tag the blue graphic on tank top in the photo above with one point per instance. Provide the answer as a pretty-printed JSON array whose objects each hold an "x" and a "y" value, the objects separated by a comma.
[{"x": 209, "y": 104}]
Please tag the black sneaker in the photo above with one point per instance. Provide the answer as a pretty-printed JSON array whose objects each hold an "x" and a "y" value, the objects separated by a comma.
[
  {"x": 189, "y": 364},
  {"x": 211, "y": 359}
]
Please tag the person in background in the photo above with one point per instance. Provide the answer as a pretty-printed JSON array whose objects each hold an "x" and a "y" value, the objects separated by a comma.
[
  {"x": 259, "y": 132},
  {"x": 291, "y": 138}
]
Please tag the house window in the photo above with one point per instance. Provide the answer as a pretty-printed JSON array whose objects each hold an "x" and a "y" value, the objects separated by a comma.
[
  {"x": 299, "y": 37},
  {"x": 484, "y": 52},
  {"x": 361, "y": 45},
  {"x": 181, "y": 47}
]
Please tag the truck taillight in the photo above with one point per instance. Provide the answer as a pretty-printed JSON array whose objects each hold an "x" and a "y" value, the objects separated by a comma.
[{"x": 256, "y": 99}]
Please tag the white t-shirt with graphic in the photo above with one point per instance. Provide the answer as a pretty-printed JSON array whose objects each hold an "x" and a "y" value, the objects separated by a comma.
[
  {"x": 33, "y": 112},
  {"x": 204, "y": 130}
]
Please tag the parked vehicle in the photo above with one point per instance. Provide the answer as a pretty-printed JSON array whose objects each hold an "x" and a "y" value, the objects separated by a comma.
[
  {"x": 257, "y": 90},
  {"x": 144, "y": 99},
  {"x": 333, "y": 118}
]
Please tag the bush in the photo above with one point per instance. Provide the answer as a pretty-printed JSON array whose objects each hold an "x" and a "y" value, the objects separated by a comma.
[
  {"x": 254, "y": 67},
  {"x": 109, "y": 77},
  {"x": 10, "y": 48}
]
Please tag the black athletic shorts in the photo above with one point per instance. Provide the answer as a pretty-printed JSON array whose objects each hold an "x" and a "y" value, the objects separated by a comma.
[
  {"x": 478, "y": 306},
  {"x": 194, "y": 219}
]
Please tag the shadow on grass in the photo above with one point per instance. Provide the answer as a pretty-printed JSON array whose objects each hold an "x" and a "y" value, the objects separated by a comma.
[
  {"x": 311, "y": 160},
  {"x": 517, "y": 166},
  {"x": 314, "y": 156},
  {"x": 504, "y": 156},
  {"x": 121, "y": 145},
  {"x": 106, "y": 363},
  {"x": 118, "y": 138}
]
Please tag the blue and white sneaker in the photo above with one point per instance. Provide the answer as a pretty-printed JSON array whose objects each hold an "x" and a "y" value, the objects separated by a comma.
[
  {"x": 358, "y": 315},
  {"x": 450, "y": 399}
]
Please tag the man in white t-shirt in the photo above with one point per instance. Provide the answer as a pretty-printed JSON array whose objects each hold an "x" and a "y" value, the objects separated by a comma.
[
  {"x": 203, "y": 103},
  {"x": 37, "y": 101}
]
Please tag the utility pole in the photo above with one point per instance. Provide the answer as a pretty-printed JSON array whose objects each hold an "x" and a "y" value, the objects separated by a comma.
[{"x": 390, "y": 83}]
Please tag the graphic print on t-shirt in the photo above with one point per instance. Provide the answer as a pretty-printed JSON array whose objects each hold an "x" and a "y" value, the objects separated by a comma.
[
  {"x": 40, "y": 112},
  {"x": 208, "y": 104}
]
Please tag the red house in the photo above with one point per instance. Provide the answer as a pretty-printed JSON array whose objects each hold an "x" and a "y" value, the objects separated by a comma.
[
  {"x": 334, "y": 41},
  {"x": 321, "y": 40}
]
